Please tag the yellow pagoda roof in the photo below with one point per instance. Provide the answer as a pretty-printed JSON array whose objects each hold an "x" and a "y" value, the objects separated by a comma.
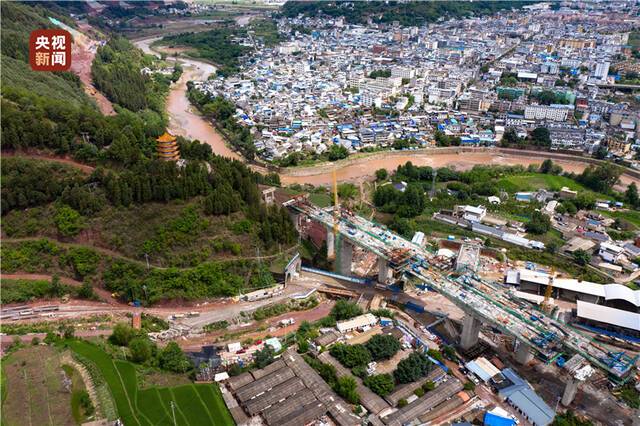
[{"x": 166, "y": 137}]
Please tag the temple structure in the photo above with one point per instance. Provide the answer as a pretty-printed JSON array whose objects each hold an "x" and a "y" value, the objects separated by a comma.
[{"x": 167, "y": 147}]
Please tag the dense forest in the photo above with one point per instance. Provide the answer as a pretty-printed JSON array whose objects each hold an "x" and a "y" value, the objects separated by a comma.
[
  {"x": 116, "y": 72},
  {"x": 407, "y": 14},
  {"x": 48, "y": 113}
]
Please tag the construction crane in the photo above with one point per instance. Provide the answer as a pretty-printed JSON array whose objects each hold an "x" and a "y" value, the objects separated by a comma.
[{"x": 546, "y": 305}]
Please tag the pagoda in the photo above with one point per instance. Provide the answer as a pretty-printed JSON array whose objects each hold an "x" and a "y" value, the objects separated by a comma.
[{"x": 167, "y": 147}]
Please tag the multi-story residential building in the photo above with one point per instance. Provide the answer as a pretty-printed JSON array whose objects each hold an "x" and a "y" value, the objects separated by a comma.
[{"x": 547, "y": 112}]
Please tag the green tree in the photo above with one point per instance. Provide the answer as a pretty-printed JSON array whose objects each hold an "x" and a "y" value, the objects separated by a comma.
[
  {"x": 141, "y": 349},
  {"x": 429, "y": 386},
  {"x": 173, "y": 359},
  {"x": 264, "y": 357},
  {"x": 346, "y": 387},
  {"x": 337, "y": 152},
  {"x": 56, "y": 287},
  {"x": 541, "y": 136},
  {"x": 86, "y": 290},
  {"x": 584, "y": 201},
  {"x": 68, "y": 221},
  {"x": 381, "y": 384},
  {"x": 568, "y": 418},
  {"x": 412, "y": 368},
  {"x": 601, "y": 178},
  {"x": 581, "y": 257},
  {"x": 344, "y": 310},
  {"x": 631, "y": 195},
  {"x": 382, "y": 346},
  {"x": 381, "y": 175},
  {"x": 351, "y": 355},
  {"x": 546, "y": 166},
  {"x": 122, "y": 334},
  {"x": 539, "y": 223}
]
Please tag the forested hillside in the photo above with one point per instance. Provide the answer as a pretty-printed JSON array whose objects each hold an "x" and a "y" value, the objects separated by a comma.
[
  {"x": 407, "y": 14},
  {"x": 129, "y": 204}
]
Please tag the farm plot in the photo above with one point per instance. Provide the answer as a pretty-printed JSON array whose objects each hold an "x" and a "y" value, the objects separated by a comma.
[
  {"x": 33, "y": 391},
  {"x": 195, "y": 404}
]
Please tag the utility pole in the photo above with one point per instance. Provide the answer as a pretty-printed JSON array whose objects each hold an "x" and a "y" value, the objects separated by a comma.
[{"x": 173, "y": 412}]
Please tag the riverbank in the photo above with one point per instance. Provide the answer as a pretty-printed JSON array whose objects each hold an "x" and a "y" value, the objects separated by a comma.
[{"x": 361, "y": 167}]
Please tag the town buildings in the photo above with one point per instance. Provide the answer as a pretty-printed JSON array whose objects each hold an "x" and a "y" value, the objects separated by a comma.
[{"x": 364, "y": 87}]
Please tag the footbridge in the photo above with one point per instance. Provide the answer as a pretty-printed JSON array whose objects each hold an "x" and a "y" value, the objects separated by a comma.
[{"x": 483, "y": 302}]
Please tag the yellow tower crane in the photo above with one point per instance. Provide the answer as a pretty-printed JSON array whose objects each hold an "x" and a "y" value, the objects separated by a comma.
[{"x": 546, "y": 306}]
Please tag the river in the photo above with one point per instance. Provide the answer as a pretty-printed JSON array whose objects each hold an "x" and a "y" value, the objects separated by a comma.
[{"x": 186, "y": 121}]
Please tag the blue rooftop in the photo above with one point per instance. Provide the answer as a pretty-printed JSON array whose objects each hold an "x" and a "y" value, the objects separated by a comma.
[{"x": 491, "y": 419}]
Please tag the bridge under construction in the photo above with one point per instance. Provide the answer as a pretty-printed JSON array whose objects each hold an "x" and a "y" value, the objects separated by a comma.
[{"x": 482, "y": 302}]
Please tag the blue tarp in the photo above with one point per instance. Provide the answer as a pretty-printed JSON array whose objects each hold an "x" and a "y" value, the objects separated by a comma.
[{"x": 494, "y": 420}]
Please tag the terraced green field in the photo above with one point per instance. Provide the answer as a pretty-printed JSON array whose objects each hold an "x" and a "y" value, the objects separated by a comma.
[{"x": 195, "y": 404}]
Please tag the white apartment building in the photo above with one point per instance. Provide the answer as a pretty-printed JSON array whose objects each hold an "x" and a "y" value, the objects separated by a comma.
[
  {"x": 403, "y": 72},
  {"x": 602, "y": 70},
  {"x": 610, "y": 252},
  {"x": 546, "y": 112}
]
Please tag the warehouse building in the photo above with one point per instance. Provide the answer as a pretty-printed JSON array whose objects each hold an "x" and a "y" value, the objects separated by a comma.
[
  {"x": 287, "y": 392},
  {"x": 519, "y": 394},
  {"x": 359, "y": 322},
  {"x": 611, "y": 307}
]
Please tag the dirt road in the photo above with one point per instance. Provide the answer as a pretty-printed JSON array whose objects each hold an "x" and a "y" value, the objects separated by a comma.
[{"x": 83, "y": 51}]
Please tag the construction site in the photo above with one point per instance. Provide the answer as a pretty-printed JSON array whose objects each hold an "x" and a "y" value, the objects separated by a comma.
[{"x": 409, "y": 271}]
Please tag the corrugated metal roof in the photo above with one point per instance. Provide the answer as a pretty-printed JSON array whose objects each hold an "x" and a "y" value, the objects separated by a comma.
[
  {"x": 521, "y": 395},
  {"x": 536, "y": 410},
  {"x": 608, "y": 291},
  {"x": 482, "y": 368},
  {"x": 608, "y": 315}
]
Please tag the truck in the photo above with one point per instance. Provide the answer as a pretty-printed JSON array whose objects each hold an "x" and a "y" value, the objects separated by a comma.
[{"x": 287, "y": 321}]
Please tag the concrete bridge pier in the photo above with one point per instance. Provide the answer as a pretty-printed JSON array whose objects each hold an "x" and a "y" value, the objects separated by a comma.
[
  {"x": 570, "y": 391},
  {"x": 331, "y": 244},
  {"x": 346, "y": 257},
  {"x": 523, "y": 353},
  {"x": 470, "y": 331},
  {"x": 383, "y": 270}
]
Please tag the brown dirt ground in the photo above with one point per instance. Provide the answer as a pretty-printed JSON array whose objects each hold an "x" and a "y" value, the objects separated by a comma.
[{"x": 35, "y": 392}]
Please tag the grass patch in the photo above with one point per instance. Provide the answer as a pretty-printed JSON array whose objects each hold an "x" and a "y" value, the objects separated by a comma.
[
  {"x": 320, "y": 200},
  {"x": 19, "y": 291},
  {"x": 536, "y": 181},
  {"x": 632, "y": 216},
  {"x": 194, "y": 402}
]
